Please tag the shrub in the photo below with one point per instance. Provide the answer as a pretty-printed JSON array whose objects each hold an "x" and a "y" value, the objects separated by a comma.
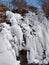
[
  {"x": 21, "y": 11},
  {"x": 45, "y": 7},
  {"x": 32, "y": 8},
  {"x": 3, "y": 9}
]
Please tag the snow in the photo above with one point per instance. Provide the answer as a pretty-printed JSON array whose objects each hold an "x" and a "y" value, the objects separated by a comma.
[
  {"x": 6, "y": 52},
  {"x": 31, "y": 34},
  {"x": 7, "y": 58}
]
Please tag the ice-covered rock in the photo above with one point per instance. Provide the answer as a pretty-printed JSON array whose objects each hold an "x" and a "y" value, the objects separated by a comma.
[
  {"x": 7, "y": 54},
  {"x": 18, "y": 16},
  {"x": 10, "y": 14},
  {"x": 16, "y": 30}
]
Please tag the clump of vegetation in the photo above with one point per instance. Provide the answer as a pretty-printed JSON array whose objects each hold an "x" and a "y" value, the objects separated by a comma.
[
  {"x": 32, "y": 8},
  {"x": 20, "y": 11},
  {"x": 3, "y": 9},
  {"x": 45, "y": 7}
]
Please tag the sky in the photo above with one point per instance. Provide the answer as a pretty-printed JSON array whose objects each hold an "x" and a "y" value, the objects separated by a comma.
[{"x": 31, "y": 2}]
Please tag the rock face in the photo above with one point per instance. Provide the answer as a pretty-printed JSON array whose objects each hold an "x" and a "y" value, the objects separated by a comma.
[{"x": 23, "y": 57}]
